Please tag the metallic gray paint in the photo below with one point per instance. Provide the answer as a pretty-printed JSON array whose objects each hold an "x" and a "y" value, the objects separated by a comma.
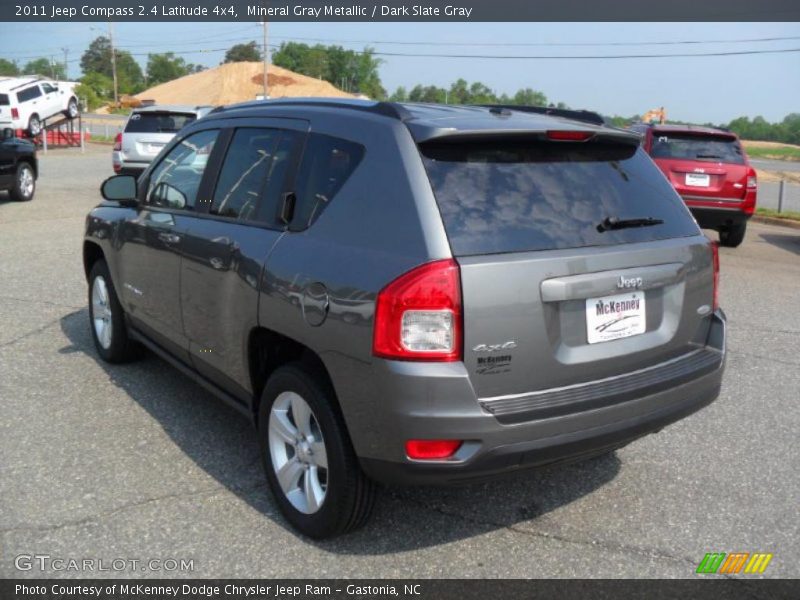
[{"x": 203, "y": 294}]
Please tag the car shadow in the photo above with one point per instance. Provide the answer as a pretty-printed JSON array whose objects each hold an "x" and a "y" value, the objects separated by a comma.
[
  {"x": 221, "y": 442},
  {"x": 784, "y": 241}
]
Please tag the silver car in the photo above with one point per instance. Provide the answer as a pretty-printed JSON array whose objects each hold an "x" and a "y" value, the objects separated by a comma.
[{"x": 148, "y": 130}]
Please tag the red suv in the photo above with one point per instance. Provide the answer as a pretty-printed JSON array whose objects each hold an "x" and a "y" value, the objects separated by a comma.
[{"x": 709, "y": 169}]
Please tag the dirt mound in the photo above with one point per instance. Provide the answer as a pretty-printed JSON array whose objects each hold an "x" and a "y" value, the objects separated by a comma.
[
  {"x": 239, "y": 82},
  {"x": 755, "y": 144}
]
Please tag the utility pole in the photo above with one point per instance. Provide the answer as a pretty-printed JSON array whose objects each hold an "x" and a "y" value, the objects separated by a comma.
[
  {"x": 66, "y": 63},
  {"x": 113, "y": 62},
  {"x": 266, "y": 59}
]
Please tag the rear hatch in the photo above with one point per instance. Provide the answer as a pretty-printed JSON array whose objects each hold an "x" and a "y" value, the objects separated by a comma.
[
  {"x": 5, "y": 111},
  {"x": 578, "y": 261},
  {"x": 702, "y": 166},
  {"x": 146, "y": 133}
]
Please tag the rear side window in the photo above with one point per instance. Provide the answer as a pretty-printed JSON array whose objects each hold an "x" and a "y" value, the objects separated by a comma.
[
  {"x": 3, "y": 99},
  {"x": 497, "y": 197},
  {"x": 253, "y": 174},
  {"x": 29, "y": 94},
  {"x": 327, "y": 164},
  {"x": 696, "y": 147},
  {"x": 158, "y": 122}
]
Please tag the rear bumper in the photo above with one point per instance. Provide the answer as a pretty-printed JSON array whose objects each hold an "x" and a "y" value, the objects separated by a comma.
[
  {"x": 718, "y": 217},
  {"x": 492, "y": 449}
]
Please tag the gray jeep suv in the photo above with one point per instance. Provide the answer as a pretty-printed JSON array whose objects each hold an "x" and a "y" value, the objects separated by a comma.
[{"x": 410, "y": 293}]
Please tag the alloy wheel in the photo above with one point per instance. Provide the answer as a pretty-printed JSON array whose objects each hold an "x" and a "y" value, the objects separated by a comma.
[
  {"x": 101, "y": 312},
  {"x": 298, "y": 453}
]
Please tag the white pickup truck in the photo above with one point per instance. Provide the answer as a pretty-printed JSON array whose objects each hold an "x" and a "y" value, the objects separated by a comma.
[{"x": 27, "y": 102}]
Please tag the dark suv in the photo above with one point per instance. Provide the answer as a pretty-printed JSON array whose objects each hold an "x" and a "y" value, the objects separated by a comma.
[
  {"x": 709, "y": 169},
  {"x": 19, "y": 166},
  {"x": 410, "y": 293}
]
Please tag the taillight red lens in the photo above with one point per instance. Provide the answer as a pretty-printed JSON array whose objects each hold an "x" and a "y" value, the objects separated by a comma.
[
  {"x": 569, "y": 136},
  {"x": 418, "y": 315},
  {"x": 118, "y": 142},
  {"x": 752, "y": 180},
  {"x": 431, "y": 449},
  {"x": 14, "y": 113},
  {"x": 715, "y": 260}
]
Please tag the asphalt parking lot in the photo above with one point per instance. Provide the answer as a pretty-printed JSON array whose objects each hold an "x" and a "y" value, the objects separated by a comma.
[{"x": 138, "y": 462}]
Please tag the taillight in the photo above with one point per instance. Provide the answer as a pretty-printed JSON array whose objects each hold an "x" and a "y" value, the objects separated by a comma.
[
  {"x": 14, "y": 113},
  {"x": 418, "y": 315},
  {"x": 118, "y": 142},
  {"x": 569, "y": 136},
  {"x": 752, "y": 180},
  {"x": 431, "y": 449},
  {"x": 715, "y": 261}
]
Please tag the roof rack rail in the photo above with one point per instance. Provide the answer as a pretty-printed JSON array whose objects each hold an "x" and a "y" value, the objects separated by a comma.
[
  {"x": 387, "y": 109},
  {"x": 587, "y": 116}
]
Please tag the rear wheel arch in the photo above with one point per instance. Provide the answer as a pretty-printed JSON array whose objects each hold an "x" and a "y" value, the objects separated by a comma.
[{"x": 268, "y": 350}]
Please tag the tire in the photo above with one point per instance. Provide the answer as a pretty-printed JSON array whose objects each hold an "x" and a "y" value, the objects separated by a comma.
[
  {"x": 24, "y": 183},
  {"x": 111, "y": 336},
  {"x": 733, "y": 235},
  {"x": 342, "y": 495},
  {"x": 34, "y": 126},
  {"x": 72, "y": 111}
]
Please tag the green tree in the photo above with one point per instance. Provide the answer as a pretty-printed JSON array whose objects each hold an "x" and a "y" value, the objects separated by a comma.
[
  {"x": 95, "y": 89},
  {"x": 97, "y": 59},
  {"x": 46, "y": 68},
  {"x": 8, "y": 68},
  {"x": 399, "y": 95},
  {"x": 529, "y": 97},
  {"x": 248, "y": 52},
  {"x": 166, "y": 67},
  {"x": 356, "y": 72}
]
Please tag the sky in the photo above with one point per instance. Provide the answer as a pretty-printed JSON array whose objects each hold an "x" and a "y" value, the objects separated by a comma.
[{"x": 696, "y": 89}]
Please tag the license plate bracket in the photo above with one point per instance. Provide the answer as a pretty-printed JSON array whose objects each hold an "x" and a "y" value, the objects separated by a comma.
[{"x": 615, "y": 317}]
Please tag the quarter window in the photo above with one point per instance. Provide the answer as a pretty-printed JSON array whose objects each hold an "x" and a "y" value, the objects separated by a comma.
[
  {"x": 174, "y": 183},
  {"x": 327, "y": 164},
  {"x": 253, "y": 174}
]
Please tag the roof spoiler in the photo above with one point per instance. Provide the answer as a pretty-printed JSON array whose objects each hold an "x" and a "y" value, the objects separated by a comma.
[{"x": 586, "y": 116}]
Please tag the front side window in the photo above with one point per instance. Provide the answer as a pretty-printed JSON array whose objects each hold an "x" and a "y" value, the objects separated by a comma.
[
  {"x": 327, "y": 164},
  {"x": 253, "y": 174},
  {"x": 174, "y": 183},
  {"x": 47, "y": 88}
]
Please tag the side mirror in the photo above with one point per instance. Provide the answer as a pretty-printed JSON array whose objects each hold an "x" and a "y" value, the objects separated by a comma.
[
  {"x": 120, "y": 188},
  {"x": 8, "y": 133},
  {"x": 168, "y": 196}
]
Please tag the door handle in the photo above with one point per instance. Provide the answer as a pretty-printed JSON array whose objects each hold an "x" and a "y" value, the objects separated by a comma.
[{"x": 169, "y": 238}]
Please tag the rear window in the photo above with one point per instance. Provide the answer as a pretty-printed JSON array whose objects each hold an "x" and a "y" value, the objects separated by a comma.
[
  {"x": 158, "y": 122},
  {"x": 696, "y": 147},
  {"x": 3, "y": 99},
  {"x": 499, "y": 197}
]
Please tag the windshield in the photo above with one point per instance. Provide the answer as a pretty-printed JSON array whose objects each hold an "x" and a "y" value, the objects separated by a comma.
[
  {"x": 696, "y": 147},
  {"x": 158, "y": 122},
  {"x": 3, "y": 99},
  {"x": 513, "y": 196}
]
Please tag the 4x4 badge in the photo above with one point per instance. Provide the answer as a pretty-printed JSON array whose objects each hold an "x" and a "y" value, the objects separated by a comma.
[{"x": 509, "y": 345}]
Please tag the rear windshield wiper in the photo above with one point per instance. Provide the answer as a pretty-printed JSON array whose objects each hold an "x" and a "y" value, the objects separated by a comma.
[
  {"x": 610, "y": 223},
  {"x": 708, "y": 156}
]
